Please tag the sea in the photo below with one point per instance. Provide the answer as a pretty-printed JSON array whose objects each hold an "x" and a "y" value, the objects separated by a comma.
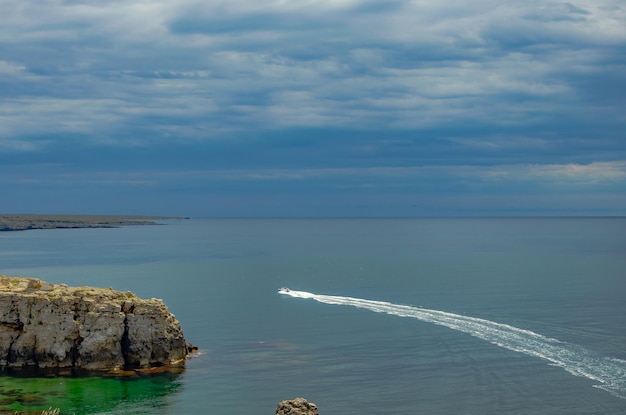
[{"x": 359, "y": 316}]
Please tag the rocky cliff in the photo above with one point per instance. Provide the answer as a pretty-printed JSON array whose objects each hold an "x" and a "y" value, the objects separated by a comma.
[{"x": 48, "y": 326}]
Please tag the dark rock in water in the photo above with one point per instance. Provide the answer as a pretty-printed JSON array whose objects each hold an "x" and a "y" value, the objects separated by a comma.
[
  {"x": 49, "y": 326},
  {"x": 298, "y": 406}
]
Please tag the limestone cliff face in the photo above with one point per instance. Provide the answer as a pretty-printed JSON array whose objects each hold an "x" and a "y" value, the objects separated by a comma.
[{"x": 50, "y": 326}]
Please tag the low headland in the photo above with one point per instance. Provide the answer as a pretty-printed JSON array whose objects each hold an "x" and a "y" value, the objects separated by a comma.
[
  {"x": 21, "y": 222},
  {"x": 53, "y": 327}
]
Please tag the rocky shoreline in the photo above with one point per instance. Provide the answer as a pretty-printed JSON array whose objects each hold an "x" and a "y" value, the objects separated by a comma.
[
  {"x": 74, "y": 330},
  {"x": 46, "y": 326},
  {"x": 28, "y": 222}
]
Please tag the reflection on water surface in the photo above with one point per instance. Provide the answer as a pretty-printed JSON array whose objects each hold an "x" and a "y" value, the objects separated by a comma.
[{"x": 86, "y": 394}]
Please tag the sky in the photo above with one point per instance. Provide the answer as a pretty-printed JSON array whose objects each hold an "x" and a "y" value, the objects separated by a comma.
[{"x": 289, "y": 108}]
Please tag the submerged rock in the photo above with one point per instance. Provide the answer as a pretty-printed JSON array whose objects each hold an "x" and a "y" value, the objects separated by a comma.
[
  {"x": 50, "y": 326},
  {"x": 298, "y": 406}
]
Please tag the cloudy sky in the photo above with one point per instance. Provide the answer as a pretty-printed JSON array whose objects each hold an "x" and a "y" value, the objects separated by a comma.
[{"x": 313, "y": 107}]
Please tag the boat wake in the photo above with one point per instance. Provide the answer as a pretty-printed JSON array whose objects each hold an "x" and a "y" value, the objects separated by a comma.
[{"x": 609, "y": 373}]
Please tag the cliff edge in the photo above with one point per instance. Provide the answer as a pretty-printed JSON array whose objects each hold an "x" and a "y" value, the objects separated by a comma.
[{"x": 53, "y": 326}]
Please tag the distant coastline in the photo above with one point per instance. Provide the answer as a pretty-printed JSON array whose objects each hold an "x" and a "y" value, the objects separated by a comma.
[{"x": 22, "y": 222}]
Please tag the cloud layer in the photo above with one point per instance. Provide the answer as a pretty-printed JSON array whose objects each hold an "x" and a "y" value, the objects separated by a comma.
[{"x": 462, "y": 94}]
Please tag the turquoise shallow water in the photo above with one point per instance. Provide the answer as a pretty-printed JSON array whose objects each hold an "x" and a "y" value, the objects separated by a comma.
[{"x": 563, "y": 279}]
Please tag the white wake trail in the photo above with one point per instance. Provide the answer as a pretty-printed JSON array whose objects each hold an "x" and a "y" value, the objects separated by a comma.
[{"x": 609, "y": 373}]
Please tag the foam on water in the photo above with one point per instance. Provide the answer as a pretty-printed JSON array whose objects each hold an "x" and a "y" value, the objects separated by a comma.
[{"x": 610, "y": 373}]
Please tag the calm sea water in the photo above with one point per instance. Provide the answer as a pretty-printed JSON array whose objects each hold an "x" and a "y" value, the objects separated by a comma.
[{"x": 556, "y": 288}]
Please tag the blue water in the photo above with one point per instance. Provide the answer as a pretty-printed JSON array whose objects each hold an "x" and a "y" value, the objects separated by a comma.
[{"x": 479, "y": 316}]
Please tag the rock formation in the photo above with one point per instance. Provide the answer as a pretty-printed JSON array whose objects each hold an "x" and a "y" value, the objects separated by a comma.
[
  {"x": 298, "y": 406},
  {"x": 48, "y": 326},
  {"x": 26, "y": 222}
]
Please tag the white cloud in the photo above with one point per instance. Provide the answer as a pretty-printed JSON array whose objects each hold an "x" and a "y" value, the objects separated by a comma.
[
  {"x": 11, "y": 68},
  {"x": 527, "y": 179},
  {"x": 8, "y": 144},
  {"x": 101, "y": 66},
  {"x": 607, "y": 172},
  {"x": 613, "y": 172},
  {"x": 585, "y": 173}
]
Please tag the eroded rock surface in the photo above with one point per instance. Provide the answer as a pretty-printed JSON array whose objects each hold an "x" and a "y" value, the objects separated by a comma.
[
  {"x": 50, "y": 326},
  {"x": 298, "y": 406}
]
